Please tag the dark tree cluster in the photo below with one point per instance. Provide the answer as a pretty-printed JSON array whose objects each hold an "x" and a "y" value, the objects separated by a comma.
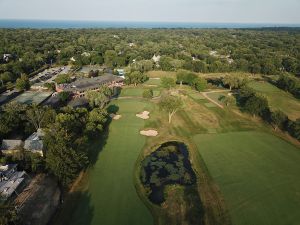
[
  {"x": 135, "y": 78},
  {"x": 191, "y": 79},
  {"x": 290, "y": 84},
  {"x": 257, "y": 105}
]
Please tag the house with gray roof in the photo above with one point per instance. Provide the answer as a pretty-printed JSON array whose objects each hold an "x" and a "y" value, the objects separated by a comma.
[{"x": 34, "y": 143}]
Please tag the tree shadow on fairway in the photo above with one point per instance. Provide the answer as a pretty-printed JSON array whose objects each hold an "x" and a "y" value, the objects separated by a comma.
[
  {"x": 72, "y": 213},
  {"x": 98, "y": 142},
  {"x": 195, "y": 211}
]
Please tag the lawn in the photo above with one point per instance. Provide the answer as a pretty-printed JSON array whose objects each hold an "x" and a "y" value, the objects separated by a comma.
[
  {"x": 278, "y": 99},
  {"x": 159, "y": 74},
  {"x": 257, "y": 173},
  {"x": 137, "y": 92},
  {"x": 132, "y": 92},
  {"x": 195, "y": 95},
  {"x": 216, "y": 96},
  {"x": 153, "y": 81},
  {"x": 110, "y": 197}
]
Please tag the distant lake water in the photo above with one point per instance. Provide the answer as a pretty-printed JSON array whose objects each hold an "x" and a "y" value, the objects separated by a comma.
[{"x": 39, "y": 24}]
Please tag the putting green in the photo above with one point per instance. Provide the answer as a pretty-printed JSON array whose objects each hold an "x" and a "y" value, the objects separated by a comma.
[
  {"x": 112, "y": 197},
  {"x": 257, "y": 173}
]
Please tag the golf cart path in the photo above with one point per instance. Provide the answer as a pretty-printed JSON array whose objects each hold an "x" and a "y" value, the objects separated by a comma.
[{"x": 211, "y": 100}]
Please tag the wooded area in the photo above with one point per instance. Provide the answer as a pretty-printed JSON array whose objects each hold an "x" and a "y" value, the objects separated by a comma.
[{"x": 266, "y": 51}]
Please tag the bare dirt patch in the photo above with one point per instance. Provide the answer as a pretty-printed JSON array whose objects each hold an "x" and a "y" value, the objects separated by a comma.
[
  {"x": 38, "y": 202},
  {"x": 143, "y": 115},
  {"x": 149, "y": 133},
  {"x": 115, "y": 116}
]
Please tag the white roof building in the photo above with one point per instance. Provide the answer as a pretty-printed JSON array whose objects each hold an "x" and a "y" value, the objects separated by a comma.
[
  {"x": 86, "y": 54},
  {"x": 156, "y": 58}
]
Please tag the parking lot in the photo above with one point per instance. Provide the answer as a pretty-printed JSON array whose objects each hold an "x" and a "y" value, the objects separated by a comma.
[{"x": 49, "y": 74}]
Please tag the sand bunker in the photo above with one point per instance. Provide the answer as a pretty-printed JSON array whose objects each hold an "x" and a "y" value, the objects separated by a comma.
[
  {"x": 115, "y": 117},
  {"x": 144, "y": 115},
  {"x": 149, "y": 133}
]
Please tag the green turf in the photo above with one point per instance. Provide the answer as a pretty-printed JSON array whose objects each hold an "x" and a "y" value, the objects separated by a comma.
[
  {"x": 196, "y": 95},
  {"x": 132, "y": 92},
  {"x": 257, "y": 173},
  {"x": 156, "y": 92},
  {"x": 278, "y": 99},
  {"x": 137, "y": 92},
  {"x": 113, "y": 198},
  {"x": 216, "y": 96},
  {"x": 210, "y": 105},
  {"x": 153, "y": 81}
]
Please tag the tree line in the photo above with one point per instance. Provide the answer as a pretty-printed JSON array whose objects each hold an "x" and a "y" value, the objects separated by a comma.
[{"x": 257, "y": 105}]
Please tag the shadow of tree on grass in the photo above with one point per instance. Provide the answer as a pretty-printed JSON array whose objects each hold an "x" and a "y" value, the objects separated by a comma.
[{"x": 72, "y": 213}]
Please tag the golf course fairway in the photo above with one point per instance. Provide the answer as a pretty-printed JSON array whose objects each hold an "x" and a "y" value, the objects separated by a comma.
[
  {"x": 257, "y": 173},
  {"x": 111, "y": 197}
]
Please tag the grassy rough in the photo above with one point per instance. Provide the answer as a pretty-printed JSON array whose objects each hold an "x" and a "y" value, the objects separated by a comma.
[{"x": 257, "y": 174}]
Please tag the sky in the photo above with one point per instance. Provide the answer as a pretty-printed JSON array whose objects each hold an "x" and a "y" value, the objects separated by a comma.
[{"x": 214, "y": 11}]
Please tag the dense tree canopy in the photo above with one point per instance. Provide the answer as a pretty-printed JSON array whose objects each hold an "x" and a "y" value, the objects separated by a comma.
[
  {"x": 267, "y": 51},
  {"x": 136, "y": 77}
]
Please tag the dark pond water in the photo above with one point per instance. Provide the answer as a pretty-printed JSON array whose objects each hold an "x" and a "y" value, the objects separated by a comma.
[{"x": 169, "y": 164}]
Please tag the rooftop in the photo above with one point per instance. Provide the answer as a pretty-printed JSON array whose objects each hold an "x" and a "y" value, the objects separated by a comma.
[
  {"x": 90, "y": 83},
  {"x": 34, "y": 141}
]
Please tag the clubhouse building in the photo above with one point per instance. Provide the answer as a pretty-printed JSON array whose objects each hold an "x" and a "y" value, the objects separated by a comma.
[{"x": 79, "y": 87}]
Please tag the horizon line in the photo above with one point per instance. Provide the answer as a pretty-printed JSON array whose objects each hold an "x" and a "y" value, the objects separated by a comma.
[{"x": 143, "y": 21}]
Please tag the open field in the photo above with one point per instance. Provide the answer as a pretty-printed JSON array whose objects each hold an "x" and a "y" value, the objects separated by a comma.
[
  {"x": 278, "y": 99},
  {"x": 137, "y": 91},
  {"x": 257, "y": 174},
  {"x": 132, "y": 92},
  {"x": 110, "y": 197},
  {"x": 153, "y": 81},
  {"x": 159, "y": 74}
]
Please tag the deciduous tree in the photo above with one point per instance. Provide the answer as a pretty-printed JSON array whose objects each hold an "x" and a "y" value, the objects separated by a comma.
[
  {"x": 22, "y": 83},
  {"x": 170, "y": 104}
]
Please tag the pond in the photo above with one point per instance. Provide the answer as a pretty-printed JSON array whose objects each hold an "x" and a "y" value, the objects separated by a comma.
[{"x": 169, "y": 164}]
